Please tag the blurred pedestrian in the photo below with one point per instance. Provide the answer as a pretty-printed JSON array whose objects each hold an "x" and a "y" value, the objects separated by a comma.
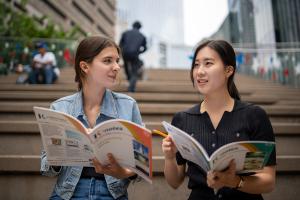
[{"x": 133, "y": 43}]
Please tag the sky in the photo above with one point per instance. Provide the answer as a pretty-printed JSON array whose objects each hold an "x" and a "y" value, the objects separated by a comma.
[{"x": 202, "y": 18}]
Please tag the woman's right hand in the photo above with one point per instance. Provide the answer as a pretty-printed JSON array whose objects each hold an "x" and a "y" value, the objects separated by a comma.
[{"x": 169, "y": 148}]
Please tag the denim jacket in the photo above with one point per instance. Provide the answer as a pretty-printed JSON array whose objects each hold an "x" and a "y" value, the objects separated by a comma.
[{"x": 114, "y": 105}]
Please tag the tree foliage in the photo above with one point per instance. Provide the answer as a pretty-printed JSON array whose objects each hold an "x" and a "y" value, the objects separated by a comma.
[{"x": 17, "y": 24}]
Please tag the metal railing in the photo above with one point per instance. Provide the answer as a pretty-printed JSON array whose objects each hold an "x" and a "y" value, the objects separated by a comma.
[{"x": 278, "y": 62}]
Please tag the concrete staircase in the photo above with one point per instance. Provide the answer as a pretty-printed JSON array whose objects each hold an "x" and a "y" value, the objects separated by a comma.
[{"x": 163, "y": 93}]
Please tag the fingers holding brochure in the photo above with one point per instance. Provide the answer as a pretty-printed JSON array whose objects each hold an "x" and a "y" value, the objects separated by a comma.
[
  {"x": 225, "y": 178},
  {"x": 112, "y": 168},
  {"x": 169, "y": 148}
]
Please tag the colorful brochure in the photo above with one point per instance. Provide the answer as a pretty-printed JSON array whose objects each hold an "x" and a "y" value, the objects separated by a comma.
[
  {"x": 249, "y": 156},
  {"x": 68, "y": 143}
]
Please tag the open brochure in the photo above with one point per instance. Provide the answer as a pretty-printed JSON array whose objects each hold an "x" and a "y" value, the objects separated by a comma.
[
  {"x": 68, "y": 143},
  {"x": 249, "y": 156}
]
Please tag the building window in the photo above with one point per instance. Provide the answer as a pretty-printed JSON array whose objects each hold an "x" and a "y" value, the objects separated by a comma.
[
  {"x": 82, "y": 12},
  {"x": 92, "y": 2},
  {"x": 20, "y": 7},
  {"x": 102, "y": 30},
  {"x": 110, "y": 4},
  {"x": 105, "y": 16},
  {"x": 163, "y": 54},
  {"x": 55, "y": 9}
]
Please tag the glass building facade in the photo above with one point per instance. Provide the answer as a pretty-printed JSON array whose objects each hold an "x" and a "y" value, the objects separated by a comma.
[
  {"x": 266, "y": 37},
  {"x": 286, "y": 20}
]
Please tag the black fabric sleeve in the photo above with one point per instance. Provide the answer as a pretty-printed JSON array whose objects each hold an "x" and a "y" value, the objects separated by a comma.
[
  {"x": 177, "y": 121},
  {"x": 262, "y": 130},
  {"x": 144, "y": 45}
]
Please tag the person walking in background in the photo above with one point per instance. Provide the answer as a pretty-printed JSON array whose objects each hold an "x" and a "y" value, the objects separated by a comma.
[
  {"x": 43, "y": 66},
  {"x": 133, "y": 43},
  {"x": 96, "y": 70},
  {"x": 219, "y": 119}
]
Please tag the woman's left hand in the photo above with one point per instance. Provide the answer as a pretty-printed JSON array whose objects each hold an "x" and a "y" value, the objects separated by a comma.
[
  {"x": 227, "y": 178},
  {"x": 112, "y": 168}
]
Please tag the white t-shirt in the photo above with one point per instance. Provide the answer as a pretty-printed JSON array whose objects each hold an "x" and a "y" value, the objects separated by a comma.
[{"x": 48, "y": 57}]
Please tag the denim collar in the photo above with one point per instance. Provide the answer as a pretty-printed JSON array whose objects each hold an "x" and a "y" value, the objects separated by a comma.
[{"x": 108, "y": 106}]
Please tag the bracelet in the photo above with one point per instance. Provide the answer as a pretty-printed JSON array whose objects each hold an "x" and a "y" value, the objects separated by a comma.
[{"x": 241, "y": 183}]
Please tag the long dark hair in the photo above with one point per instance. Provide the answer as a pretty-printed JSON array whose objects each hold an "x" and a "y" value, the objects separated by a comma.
[
  {"x": 227, "y": 55},
  {"x": 87, "y": 50}
]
